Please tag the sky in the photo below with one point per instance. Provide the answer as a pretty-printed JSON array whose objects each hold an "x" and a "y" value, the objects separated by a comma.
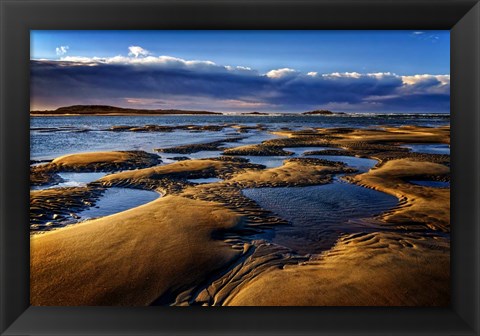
[{"x": 242, "y": 71}]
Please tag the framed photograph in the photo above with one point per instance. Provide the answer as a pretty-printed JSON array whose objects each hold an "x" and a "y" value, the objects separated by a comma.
[{"x": 311, "y": 167}]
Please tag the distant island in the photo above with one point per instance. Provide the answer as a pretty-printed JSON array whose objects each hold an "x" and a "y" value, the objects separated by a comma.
[
  {"x": 113, "y": 110},
  {"x": 255, "y": 113},
  {"x": 321, "y": 112}
]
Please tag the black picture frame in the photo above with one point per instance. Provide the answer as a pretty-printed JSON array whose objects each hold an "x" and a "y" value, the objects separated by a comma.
[{"x": 461, "y": 17}]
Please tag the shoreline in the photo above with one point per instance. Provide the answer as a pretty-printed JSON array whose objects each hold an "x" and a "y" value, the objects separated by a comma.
[{"x": 194, "y": 245}]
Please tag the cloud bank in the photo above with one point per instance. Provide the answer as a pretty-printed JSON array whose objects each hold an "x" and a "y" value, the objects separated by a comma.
[{"x": 148, "y": 81}]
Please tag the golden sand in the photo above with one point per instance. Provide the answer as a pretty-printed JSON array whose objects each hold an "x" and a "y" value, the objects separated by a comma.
[
  {"x": 131, "y": 258},
  {"x": 377, "y": 269}
]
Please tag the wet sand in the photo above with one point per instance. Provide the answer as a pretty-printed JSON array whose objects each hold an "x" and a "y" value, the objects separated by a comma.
[
  {"x": 376, "y": 269},
  {"x": 132, "y": 258},
  {"x": 201, "y": 244},
  {"x": 420, "y": 205}
]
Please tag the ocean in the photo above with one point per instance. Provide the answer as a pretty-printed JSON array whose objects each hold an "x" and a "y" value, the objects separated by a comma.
[{"x": 51, "y": 137}]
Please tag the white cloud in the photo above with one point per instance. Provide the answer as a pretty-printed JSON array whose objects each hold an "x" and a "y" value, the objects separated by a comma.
[
  {"x": 137, "y": 51},
  {"x": 357, "y": 75},
  {"x": 62, "y": 50},
  {"x": 148, "y": 60},
  {"x": 416, "y": 79},
  {"x": 426, "y": 84},
  {"x": 80, "y": 59},
  {"x": 160, "y": 61},
  {"x": 165, "y": 61},
  {"x": 279, "y": 73},
  {"x": 342, "y": 75},
  {"x": 238, "y": 68},
  {"x": 444, "y": 79},
  {"x": 380, "y": 75},
  {"x": 406, "y": 80},
  {"x": 312, "y": 74},
  {"x": 418, "y": 33}
]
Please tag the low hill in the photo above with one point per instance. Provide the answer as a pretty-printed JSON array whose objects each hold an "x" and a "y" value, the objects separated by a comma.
[
  {"x": 255, "y": 113},
  {"x": 321, "y": 112},
  {"x": 112, "y": 110}
]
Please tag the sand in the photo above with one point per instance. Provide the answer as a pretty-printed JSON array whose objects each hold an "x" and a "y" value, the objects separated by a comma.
[
  {"x": 293, "y": 172},
  {"x": 51, "y": 208},
  {"x": 41, "y": 177},
  {"x": 257, "y": 150},
  {"x": 132, "y": 258},
  {"x": 104, "y": 161},
  {"x": 378, "y": 269}
]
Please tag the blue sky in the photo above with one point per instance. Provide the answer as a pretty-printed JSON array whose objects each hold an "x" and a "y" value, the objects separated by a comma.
[{"x": 385, "y": 71}]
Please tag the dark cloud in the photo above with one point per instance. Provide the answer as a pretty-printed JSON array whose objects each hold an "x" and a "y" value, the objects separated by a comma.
[
  {"x": 55, "y": 83},
  {"x": 420, "y": 102}
]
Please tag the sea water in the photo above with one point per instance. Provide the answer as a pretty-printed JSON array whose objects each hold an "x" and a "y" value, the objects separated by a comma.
[{"x": 51, "y": 137}]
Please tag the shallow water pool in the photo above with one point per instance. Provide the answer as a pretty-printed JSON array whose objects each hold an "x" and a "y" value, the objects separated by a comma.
[
  {"x": 361, "y": 164},
  {"x": 205, "y": 180},
  {"x": 319, "y": 214},
  {"x": 433, "y": 184},
  {"x": 198, "y": 155},
  {"x": 115, "y": 200},
  {"x": 73, "y": 179},
  {"x": 429, "y": 148},
  {"x": 298, "y": 151},
  {"x": 267, "y": 161},
  {"x": 277, "y": 161}
]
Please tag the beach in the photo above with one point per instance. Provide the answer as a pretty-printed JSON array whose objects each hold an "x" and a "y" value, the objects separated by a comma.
[{"x": 246, "y": 210}]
